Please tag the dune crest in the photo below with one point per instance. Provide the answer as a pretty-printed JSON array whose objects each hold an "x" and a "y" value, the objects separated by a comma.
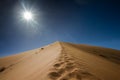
[{"x": 62, "y": 61}]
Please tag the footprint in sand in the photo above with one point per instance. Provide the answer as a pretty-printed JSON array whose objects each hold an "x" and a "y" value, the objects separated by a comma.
[
  {"x": 64, "y": 78},
  {"x": 88, "y": 76},
  {"x": 57, "y": 65},
  {"x": 54, "y": 75},
  {"x": 69, "y": 67}
]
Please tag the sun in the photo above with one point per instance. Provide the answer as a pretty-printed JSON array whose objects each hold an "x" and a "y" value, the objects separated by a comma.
[{"x": 27, "y": 15}]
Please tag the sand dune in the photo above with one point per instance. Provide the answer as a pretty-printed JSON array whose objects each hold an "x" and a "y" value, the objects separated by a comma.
[{"x": 62, "y": 61}]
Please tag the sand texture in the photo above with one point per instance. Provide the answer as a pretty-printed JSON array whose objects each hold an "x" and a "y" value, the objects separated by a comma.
[{"x": 62, "y": 61}]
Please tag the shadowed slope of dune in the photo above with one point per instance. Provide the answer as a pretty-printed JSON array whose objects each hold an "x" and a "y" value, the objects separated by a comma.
[
  {"x": 107, "y": 53},
  {"x": 103, "y": 67},
  {"x": 62, "y": 61}
]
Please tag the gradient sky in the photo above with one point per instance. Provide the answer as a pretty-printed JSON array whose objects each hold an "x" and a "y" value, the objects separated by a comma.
[{"x": 94, "y": 22}]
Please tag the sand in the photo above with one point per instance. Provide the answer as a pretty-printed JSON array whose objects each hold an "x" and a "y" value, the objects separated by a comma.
[{"x": 62, "y": 61}]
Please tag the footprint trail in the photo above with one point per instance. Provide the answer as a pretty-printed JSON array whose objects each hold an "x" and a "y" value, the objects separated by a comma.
[{"x": 67, "y": 68}]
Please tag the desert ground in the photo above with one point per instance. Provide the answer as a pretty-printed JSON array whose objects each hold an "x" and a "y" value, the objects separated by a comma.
[{"x": 62, "y": 61}]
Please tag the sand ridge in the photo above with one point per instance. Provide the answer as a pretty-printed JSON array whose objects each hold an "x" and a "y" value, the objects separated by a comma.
[{"x": 61, "y": 61}]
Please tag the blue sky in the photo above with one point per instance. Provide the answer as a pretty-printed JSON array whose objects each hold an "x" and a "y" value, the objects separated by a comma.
[{"x": 77, "y": 21}]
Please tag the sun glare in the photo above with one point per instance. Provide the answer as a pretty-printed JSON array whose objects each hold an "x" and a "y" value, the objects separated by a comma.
[{"x": 27, "y": 15}]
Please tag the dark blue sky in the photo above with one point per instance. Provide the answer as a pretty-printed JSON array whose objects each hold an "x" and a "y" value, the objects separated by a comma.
[{"x": 94, "y": 22}]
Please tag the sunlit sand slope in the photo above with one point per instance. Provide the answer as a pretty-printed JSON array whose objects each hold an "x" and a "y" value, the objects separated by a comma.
[{"x": 62, "y": 61}]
